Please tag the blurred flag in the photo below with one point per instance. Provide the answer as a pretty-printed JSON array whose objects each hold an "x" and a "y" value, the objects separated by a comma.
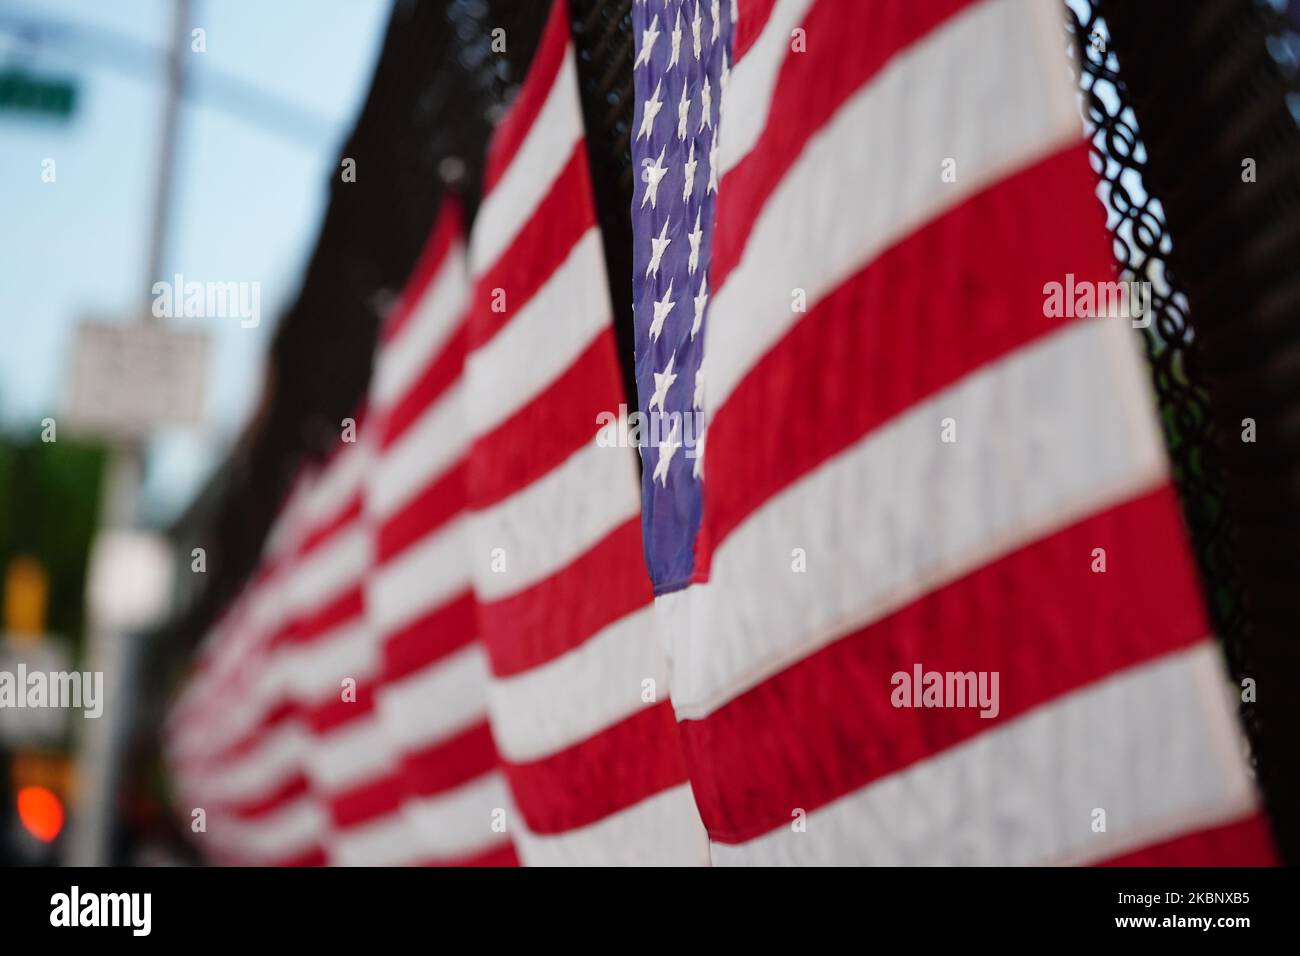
[
  {"x": 237, "y": 739},
  {"x": 578, "y": 696},
  {"x": 916, "y": 484},
  {"x": 433, "y": 692},
  {"x": 353, "y": 760}
]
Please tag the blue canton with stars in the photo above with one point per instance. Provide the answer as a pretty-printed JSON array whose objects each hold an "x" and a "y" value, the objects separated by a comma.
[{"x": 683, "y": 50}]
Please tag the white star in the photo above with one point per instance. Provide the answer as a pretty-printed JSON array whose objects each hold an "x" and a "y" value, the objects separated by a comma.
[
  {"x": 725, "y": 78},
  {"x": 713, "y": 163},
  {"x": 689, "y": 184},
  {"x": 694, "y": 239},
  {"x": 653, "y": 176},
  {"x": 663, "y": 381},
  {"x": 700, "y": 301},
  {"x": 657, "y": 247},
  {"x": 683, "y": 112},
  {"x": 662, "y": 308},
  {"x": 695, "y": 30},
  {"x": 677, "y": 39},
  {"x": 652, "y": 108},
  {"x": 697, "y": 470},
  {"x": 717, "y": 20},
  {"x": 706, "y": 114},
  {"x": 667, "y": 448},
  {"x": 649, "y": 37},
  {"x": 735, "y": 11},
  {"x": 697, "y": 400}
]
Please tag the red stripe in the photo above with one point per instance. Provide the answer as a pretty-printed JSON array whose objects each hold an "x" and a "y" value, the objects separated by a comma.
[
  {"x": 339, "y": 521},
  {"x": 984, "y": 262},
  {"x": 449, "y": 763},
  {"x": 1247, "y": 842},
  {"x": 826, "y": 725},
  {"x": 543, "y": 244},
  {"x": 343, "y": 609},
  {"x": 752, "y": 16},
  {"x": 616, "y": 768},
  {"x": 291, "y": 788},
  {"x": 846, "y": 52},
  {"x": 278, "y": 713},
  {"x": 504, "y": 855},
  {"x": 542, "y": 71},
  {"x": 441, "y": 373},
  {"x": 442, "y": 500},
  {"x": 367, "y": 801},
  {"x": 311, "y": 857},
  {"x": 444, "y": 630},
  {"x": 549, "y": 428},
  {"x": 448, "y": 229},
  {"x": 562, "y": 611},
  {"x": 334, "y": 711}
]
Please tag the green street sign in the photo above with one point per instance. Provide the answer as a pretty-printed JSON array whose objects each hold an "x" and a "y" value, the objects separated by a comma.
[{"x": 23, "y": 92}]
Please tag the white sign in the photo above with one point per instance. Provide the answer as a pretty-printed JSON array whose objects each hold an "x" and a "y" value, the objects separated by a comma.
[{"x": 129, "y": 378}]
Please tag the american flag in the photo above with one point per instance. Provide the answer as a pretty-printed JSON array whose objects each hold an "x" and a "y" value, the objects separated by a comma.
[
  {"x": 910, "y": 470},
  {"x": 432, "y": 696},
  {"x": 237, "y": 739},
  {"x": 845, "y": 219},
  {"x": 578, "y": 696}
]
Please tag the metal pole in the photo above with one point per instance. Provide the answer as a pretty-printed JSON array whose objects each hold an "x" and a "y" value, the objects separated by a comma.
[
  {"x": 167, "y": 144},
  {"x": 110, "y": 651}
]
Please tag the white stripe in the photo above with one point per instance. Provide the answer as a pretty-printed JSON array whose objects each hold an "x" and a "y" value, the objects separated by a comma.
[
  {"x": 277, "y": 756},
  {"x": 458, "y": 824},
  {"x": 354, "y": 752},
  {"x": 426, "y": 449},
  {"x": 542, "y": 340},
  {"x": 338, "y": 482},
  {"x": 389, "y": 840},
  {"x": 1045, "y": 436},
  {"x": 1153, "y": 746},
  {"x": 316, "y": 670},
  {"x": 437, "y": 314},
  {"x": 281, "y": 834},
  {"x": 748, "y": 96},
  {"x": 436, "y": 702},
  {"x": 329, "y": 569},
  {"x": 982, "y": 63},
  {"x": 540, "y": 159},
  {"x": 568, "y": 699},
  {"x": 423, "y": 576},
  {"x": 544, "y": 527},
  {"x": 662, "y": 830}
]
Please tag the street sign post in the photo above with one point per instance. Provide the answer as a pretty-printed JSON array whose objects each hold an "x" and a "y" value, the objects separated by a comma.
[
  {"x": 24, "y": 92},
  {"x": 128, "y": 379}
]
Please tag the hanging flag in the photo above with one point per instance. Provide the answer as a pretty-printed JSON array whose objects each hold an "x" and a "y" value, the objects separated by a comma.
[
  {"x": 237, "y": 739},
  {"x": 353, "y": 762},
  {"x": 578, "y": 696},
  {"x": 681, "y": 67},
  {"x": 432, "y": 695},
  {"x": 943, "y": 609}
]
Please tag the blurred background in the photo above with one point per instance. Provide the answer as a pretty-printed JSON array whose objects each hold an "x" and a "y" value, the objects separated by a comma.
[
  {"x": 119, "y": 169},
  {"x": 143, "y": 457}
]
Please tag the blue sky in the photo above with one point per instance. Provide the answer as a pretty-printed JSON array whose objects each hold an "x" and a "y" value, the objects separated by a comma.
[{"x": 247, "y": 202}]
